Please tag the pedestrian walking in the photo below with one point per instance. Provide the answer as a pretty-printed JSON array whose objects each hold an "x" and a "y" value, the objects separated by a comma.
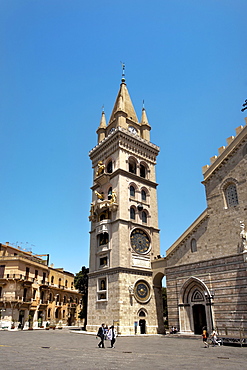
[
  {"x": 205, "y": 337},
  {"x": 214, "y": 338},
  {"x": 112, "y": 336},
  {"x": 101, "y": 335}
]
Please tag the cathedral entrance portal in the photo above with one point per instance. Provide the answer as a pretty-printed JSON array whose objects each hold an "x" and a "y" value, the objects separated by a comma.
[
  {"x": 195, "y": 309},
  {"x": 199, "y": 318}
]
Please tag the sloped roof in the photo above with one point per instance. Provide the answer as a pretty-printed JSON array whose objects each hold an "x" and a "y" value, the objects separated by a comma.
[{"x": 124, "y": 104}]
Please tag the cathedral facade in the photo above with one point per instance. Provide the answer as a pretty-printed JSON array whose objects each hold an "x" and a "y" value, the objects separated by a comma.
[
  {"x": 124, "y": 235},
  {"x": 206, "y": 268}
]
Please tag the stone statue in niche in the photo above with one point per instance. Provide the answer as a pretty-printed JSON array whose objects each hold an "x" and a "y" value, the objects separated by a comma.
[
  {"x": 243, "y": 235},
  {"x": 101, "y": 168},
  {"x": 113, "y": 197},
  {"x": 99, "y": 195}
]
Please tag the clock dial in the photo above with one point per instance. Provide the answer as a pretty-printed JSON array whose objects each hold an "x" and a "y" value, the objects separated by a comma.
[
  {"x": 142, "y": 291},
  {"x": 139, "y": 241},
  {"x": 112, "y": 130},
  {"x": 132, "y": 130}
]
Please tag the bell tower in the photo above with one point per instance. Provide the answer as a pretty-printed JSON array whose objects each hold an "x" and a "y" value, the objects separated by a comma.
[{"x": 124, "y": 235}]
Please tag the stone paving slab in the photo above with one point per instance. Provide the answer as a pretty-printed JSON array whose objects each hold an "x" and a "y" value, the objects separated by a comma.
[{"x": 54, "y": 349}]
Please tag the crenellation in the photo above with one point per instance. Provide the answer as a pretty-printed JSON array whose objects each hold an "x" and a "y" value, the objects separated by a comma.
[
  {"x": 230, "y": 139},
  {"x": 238, "y": 129},
  {"x": 213, "y": 159},
  {"x": 221, "y": 149}
]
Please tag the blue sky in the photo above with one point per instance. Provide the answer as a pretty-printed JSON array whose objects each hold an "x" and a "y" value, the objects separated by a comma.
[{"x": 60, "y": 63}]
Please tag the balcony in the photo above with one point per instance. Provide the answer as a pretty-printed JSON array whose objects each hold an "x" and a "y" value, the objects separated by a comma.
[
  {"x": 22, "y": 256},
  {"x": 15, "y": 299},
  {"x": 17, "y": 277}
]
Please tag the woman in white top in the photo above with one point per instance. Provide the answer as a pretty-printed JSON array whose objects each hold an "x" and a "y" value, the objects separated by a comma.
[{"x": 112, "y": 336}]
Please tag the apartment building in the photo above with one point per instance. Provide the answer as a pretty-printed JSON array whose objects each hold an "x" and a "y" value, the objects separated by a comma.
[{"x": 34, "y": 294}]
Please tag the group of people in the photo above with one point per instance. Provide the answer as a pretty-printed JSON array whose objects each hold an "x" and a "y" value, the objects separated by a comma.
[
  {"x": 106, "y": 334},
  {"x": 174, "y": 330},
  {"x": 213, "y": 337}
]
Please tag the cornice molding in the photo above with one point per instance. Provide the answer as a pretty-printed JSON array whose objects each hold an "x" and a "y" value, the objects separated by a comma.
[
  {"x": 122, "y": 138},
  {"x": 118, "y": 270}
]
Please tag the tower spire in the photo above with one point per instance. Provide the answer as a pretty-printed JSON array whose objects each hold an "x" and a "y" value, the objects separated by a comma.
[{"x": 102, "y": 126}]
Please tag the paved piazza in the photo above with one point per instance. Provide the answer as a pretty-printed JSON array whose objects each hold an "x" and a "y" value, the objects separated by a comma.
[{"x": 62, "y": 349}]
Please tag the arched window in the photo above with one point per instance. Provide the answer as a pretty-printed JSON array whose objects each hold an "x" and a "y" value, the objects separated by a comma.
[
  {"x": 144, "y": 195},
  {"x": 231, "y": 195},
  {"x": 144, "y": 217},
  {"x": 102, "y": 285},
  {"x": 49, "y": 313},
  {"x": 132, "y": 213},
  {"x": 132, "y": 166},
  {"x": 193, "y": 245},
  {"x": 52, "y": 280},
  {"x": 103, "y": 238},
  {"x": 143, "y": 171},
  {"x": 104, "y": 215},
  {"x": 42, "y": 296},
  {"x": 50, "y": 297},
  {"x": 109, "y": 167},
  {"x": 132, "y": 191},
  {"x": 64, "y": 299},
  {"x": 110, "y": 193},
  {"x": 59, "y": 282},
  {"x": 66, "y": 283}
]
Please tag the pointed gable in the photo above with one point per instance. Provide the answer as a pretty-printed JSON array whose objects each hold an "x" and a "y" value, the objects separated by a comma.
[{"x": 124, "y": 104}]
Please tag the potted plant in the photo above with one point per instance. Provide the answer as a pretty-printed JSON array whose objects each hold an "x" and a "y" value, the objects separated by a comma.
[{"x": 53, "y": 325}]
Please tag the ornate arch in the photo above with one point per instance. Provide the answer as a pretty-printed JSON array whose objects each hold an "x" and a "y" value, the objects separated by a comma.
[{"x": 189, "y": 288}]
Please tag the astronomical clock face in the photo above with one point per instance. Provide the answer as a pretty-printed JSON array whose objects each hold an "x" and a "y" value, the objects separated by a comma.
[
  {"x": 142, "y": 291},
  {"x": 139, "y": 241}
]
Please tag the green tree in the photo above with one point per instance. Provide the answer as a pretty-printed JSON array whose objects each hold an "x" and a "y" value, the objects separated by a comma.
[{"x": 81, "y": 283}]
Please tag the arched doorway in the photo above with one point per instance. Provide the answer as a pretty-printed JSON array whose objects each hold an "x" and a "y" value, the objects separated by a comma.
[
  {"x": 199, "y": 318},
  {"x": 195, "y": 310},
  {"x": 142, "y": 321},
  {"x": 142, "y": 324},
  {"x": 159, "y": 301}
]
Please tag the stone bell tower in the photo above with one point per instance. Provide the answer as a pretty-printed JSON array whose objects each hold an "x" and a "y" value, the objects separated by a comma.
[{"x": 124, "y": 235}]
